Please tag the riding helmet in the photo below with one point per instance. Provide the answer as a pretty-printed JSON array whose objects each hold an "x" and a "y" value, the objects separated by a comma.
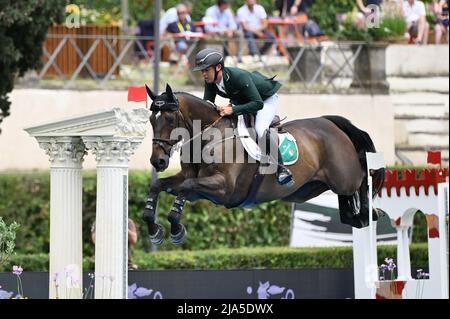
[{"x": 206, "y": 58}]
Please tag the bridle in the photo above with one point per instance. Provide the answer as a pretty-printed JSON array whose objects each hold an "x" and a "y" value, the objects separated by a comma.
[
  {"x": 165, "y": 143},
  {"x": 158, "y": 106}
]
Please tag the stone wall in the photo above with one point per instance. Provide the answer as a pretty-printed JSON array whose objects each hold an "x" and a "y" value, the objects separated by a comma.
[{"x": 30, "y": 107}]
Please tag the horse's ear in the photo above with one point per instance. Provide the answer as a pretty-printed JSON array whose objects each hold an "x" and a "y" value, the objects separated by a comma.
[
  {"x": 169, "y": 92},
  {"x": 150, "y": 93}
]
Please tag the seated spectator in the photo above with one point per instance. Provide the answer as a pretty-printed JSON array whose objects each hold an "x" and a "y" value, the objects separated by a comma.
[
  {"x": 182, "y": 25},
  {"x": 221, "y": 14},
  {"x": 439, "y": 8},
  {"x": 293, "y": 7},
  {"x": 132, "y": 240},
  {"x": 253, "y": 19},
  {"x": 417, "y": 25},
  {"x": 171, "y": 16}
]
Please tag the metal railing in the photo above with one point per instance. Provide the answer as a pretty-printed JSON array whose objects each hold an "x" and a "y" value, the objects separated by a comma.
[{"x": 324, "y": 66}]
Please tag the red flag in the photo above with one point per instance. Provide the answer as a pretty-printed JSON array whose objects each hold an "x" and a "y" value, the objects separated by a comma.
[
  {"x": 137, "y": 94},
  {"x": 434, "y": 157}
]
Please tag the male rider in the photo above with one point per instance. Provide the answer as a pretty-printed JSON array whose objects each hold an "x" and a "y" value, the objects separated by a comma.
[{"x": 248, "y": 93}]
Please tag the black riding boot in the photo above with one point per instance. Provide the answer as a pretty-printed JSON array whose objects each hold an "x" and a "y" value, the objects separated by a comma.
[{"x": 284, "y": 175}]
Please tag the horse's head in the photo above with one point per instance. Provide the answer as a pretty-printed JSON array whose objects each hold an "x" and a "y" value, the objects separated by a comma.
[{"x": 165, "y": 117}]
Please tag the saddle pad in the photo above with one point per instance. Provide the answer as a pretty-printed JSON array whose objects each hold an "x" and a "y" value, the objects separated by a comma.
[{"x": 287, "y": 144}]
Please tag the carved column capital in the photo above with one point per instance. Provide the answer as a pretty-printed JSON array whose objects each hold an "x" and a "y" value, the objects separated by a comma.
[
  {"x": 112, "y": 151},
  {"x": 67, "y": 152}
]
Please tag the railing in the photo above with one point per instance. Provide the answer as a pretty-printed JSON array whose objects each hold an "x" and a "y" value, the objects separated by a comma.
[{"x": 111, "y": 60}]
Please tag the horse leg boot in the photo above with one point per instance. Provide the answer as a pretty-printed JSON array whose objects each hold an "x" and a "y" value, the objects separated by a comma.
[
  {"x": 167, "y": 184},
  {"x": 156, "y": 231},
  {"x": 284, "y": 175},
  {"x": 178, "y": 232}
]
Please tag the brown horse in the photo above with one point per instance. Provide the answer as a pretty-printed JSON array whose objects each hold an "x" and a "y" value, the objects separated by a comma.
[{"x": 332, "y": 157}]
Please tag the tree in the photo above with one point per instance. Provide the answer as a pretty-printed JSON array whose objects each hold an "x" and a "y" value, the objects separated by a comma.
[{"x": 23, "y": 28}]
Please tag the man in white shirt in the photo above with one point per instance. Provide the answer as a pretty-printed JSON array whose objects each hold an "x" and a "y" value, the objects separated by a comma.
[
  {"x": 415, "y": 16},
  {"x": 171, "y": 16},
  {"x": 253, "y": 19},
  {"x": 222, "y": 15},
  {"x": 219, "y": 22}
]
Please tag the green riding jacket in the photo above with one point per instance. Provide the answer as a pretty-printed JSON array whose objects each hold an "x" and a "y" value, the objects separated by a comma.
[{"x": 246, "y": 90}]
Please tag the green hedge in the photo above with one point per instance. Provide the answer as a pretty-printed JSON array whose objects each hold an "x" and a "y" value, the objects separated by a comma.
[
  {"x": 242, "y": 258},
  {"x": 24, "y": 198}
]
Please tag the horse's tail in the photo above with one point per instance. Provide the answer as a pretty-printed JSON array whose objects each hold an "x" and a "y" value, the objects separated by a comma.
[{"x": 363, "y": 143}]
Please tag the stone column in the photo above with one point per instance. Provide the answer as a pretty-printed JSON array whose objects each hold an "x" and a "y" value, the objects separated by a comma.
[
  {"x": 111, "y": 247},
  {"x": 66, "y": 256}
]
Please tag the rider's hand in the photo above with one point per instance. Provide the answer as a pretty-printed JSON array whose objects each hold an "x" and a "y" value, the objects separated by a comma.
[{"x": 226, "y": 110}]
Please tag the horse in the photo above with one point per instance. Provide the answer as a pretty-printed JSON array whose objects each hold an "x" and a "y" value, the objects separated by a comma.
[{"x": 333, "y": 157}]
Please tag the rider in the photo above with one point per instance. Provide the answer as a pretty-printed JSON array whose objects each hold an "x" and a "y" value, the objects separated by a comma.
[{"x": 248, "y": 93}]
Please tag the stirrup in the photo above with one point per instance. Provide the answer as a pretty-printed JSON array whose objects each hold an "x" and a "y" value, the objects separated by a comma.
[{"x": 285, "y": 177}]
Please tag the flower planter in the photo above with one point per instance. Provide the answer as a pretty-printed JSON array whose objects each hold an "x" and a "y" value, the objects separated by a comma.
[
  {"x": 101, "y": 60},
  {"x": 369, "y": 74},
  {"x": 307, "y": 65}
]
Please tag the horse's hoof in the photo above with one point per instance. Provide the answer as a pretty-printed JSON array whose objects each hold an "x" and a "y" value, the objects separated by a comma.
[
  {"x": 179, "y": 238},
  {"x": 159, "y": 237}
]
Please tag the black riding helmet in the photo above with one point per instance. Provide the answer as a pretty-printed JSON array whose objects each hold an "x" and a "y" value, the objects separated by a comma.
[{"x": 206, "y": 58}]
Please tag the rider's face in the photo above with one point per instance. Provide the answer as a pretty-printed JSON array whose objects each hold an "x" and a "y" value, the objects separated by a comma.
[{"x": 209, "y": 73}]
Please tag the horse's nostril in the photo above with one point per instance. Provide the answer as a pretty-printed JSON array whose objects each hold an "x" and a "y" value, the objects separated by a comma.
[{"x": 162, "y": 162}]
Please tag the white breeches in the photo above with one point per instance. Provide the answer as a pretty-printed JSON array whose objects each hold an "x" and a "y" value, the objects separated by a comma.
[{"x": 265, "y": 116}]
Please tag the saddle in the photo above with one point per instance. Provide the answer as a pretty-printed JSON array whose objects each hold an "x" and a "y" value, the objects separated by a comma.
[{"x": 250, "y": 118}]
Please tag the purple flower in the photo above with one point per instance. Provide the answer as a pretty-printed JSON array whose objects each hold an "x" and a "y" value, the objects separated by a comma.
[
  {"x": 56, "y": 276},
  {"x": 17, "y": 270}
]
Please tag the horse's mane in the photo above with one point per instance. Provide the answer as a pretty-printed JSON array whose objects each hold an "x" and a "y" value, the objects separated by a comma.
[{"x": 198, "y": 100}]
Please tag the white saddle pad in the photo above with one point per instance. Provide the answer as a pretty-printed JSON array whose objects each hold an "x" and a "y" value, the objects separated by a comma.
[{"x": 252, "y": 147}]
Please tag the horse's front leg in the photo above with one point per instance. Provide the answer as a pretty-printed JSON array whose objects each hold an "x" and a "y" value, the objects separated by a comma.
[
  {"x": 213, "y": 185},
  {"x": 156, "y": 231}
]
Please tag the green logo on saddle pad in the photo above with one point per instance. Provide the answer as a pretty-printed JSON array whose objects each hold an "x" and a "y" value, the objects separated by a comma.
[{"x": 288, "y": 149}]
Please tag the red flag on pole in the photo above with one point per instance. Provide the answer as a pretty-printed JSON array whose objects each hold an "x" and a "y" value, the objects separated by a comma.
[
  {"x": 137, "y": 94},
  {"x": 434, "y": 157}
]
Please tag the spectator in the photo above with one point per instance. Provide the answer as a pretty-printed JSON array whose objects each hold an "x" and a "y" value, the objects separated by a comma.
[
  {"x": 417, "y": 25},
  {"x": 226, "y": 26},
  {"x": 221, "y": 13},
  {"x": 292, "y": 7},
  {"x": 253, "y": 19},
  {"x": 132, "y": 240},
  {"x": 439, "y": 8},
  {"x": 364, "y": 5},
  {"x": 182, "y": 25},
  {"x": 171, "y": 16}
]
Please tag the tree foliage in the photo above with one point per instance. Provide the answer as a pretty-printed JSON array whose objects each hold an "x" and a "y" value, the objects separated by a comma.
[{"x": 23, "y": 28}]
